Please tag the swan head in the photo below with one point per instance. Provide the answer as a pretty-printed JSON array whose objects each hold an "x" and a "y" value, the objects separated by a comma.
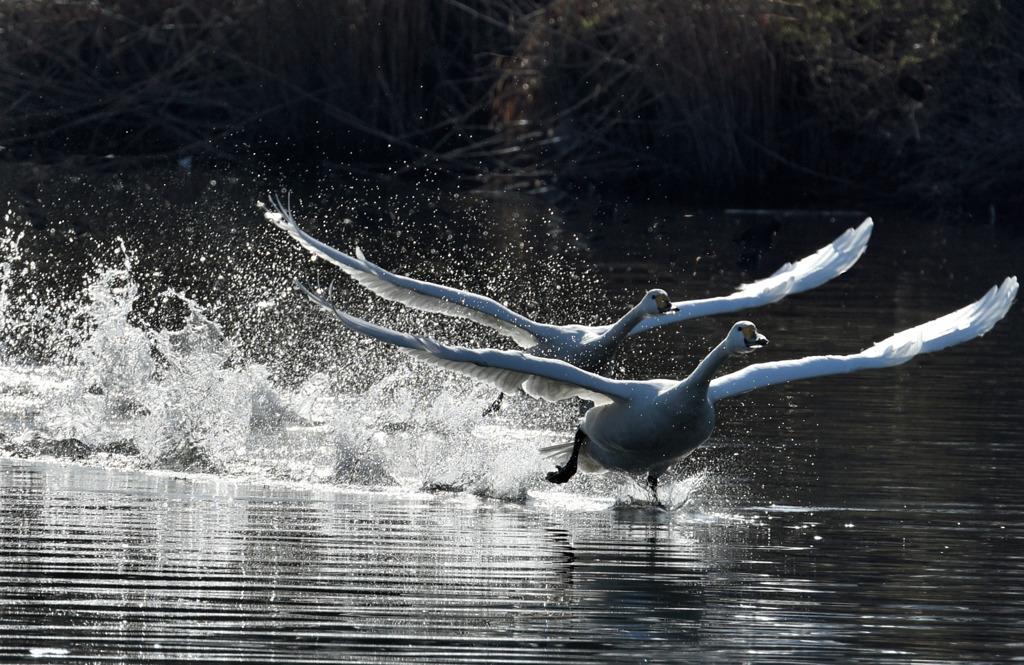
[
  {"x": 744, "y": 338},
  {"x": 656, "y": 302}
]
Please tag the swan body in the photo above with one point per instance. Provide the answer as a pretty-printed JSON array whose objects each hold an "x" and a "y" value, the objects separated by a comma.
[
  {"x": 590, "y": 347},
  {"x": 646, "y": 426}
]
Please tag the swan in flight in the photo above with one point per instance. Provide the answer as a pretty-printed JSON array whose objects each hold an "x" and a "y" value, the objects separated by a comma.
[
  {"x": 591, "y": 348},
  {"x": 646, "y": 426}
]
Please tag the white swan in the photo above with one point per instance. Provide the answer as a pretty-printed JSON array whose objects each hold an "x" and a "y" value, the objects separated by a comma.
[
  {"x": 646, "y": 426},
  {"x": 589, "y": 347}
]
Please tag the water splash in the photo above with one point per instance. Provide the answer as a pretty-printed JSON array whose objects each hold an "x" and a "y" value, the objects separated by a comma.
[
  {"x": 19, "y": 311},
  {"x": 112, "y": 389},
  {"x": 186, "y": 398},
  {"x": 10, "y": 252}
]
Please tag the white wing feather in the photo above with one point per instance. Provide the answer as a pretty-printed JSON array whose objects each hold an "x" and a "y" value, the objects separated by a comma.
[
  {"x": 809, "y": 272},
  {"x": 414, "y": 293},
  {"x": 964, "y": 324},
  {"x": 508, "y": 371}
]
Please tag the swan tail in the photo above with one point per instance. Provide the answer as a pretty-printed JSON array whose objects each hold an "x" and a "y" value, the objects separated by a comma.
[{"x": 556, "y": 450}]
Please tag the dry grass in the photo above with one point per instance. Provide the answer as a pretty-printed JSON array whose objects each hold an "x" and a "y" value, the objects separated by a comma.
[
  {"x": 730, "y": 99},
  {"x": 971, "y": 153},
  {"x": 627, "y": 89},
  {"x": 158, "y": 78}
]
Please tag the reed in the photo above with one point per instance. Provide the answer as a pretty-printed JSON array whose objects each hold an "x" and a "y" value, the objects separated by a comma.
[
  {"x": 619, "y": 90},
  {"x": 728, "y": 100},
  {"x": 159, "y": 78},
  {"x": 971, "y": 154}
]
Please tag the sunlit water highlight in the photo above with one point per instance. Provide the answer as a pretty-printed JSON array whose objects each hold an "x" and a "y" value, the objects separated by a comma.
[
  {"x": 186, "y": 400},
  {"x": 164, "y": 494}
]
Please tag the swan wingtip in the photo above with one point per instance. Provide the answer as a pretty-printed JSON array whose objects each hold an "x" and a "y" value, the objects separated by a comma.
[
  {"x": 855, "y": 239},
  {"x": 865, "y": 230},
  {"x": 1001, "y": 296},
  {"x": 279, "y": 214},
  {"x": 1004, "y": 295}
]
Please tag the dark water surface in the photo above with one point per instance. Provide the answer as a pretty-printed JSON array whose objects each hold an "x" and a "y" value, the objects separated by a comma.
[
  {"x": 104, "y": 565},
  {"x": 870, "y": 518}
]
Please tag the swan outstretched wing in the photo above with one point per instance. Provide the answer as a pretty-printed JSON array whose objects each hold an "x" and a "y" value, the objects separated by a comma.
[
  {"x": 508, "y": 371},
  {"x": 424, "y": 296},
  {"x": 809, "y": 272},
  {"x": 964, "y": 324}
]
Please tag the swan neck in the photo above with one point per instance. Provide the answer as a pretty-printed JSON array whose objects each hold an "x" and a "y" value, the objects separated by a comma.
[
  {"x": 708, "y": 367},
  {"x": 620, "y": 329}
]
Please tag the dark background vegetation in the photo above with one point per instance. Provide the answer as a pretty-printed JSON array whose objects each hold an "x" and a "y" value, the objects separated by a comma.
[{"x": 909, "y": 102}]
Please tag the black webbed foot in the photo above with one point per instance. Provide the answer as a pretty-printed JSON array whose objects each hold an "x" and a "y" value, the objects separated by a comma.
[
  {"x": 563, "y": 474},
  {"x": 495, "y": 405},
  {"x": 652, "y": 484},
  {"x": 568, "y": 470}
]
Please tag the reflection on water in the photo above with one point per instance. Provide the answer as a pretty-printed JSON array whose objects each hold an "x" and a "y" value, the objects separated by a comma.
[
  {"x": 103, "y": 564},
  {"x": 213, "y": 492}
]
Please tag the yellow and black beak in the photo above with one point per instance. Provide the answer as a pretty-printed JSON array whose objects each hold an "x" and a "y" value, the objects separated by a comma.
[
  {"x": 664, "y": 304},
  {"x": 753, "y": 339}
]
